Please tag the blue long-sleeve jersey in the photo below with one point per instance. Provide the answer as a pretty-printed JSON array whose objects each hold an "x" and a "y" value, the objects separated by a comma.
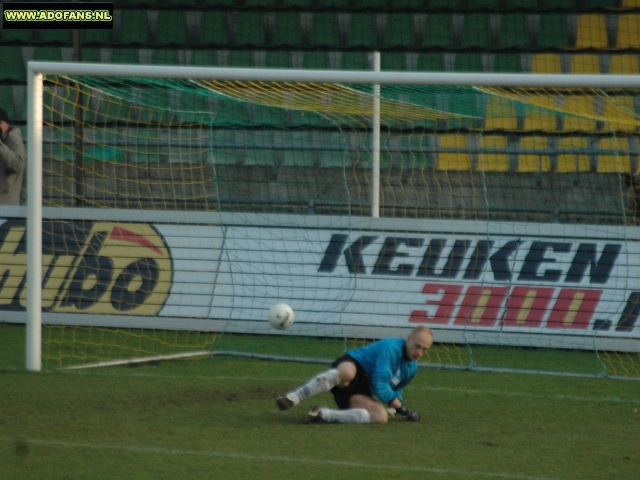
[{"x": 388, "y": 371}]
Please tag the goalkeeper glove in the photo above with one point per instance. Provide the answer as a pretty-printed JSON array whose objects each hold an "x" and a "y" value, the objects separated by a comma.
[{"x": 410, "y": 415}]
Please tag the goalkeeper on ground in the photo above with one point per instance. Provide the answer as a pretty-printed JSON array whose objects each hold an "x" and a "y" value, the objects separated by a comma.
[{"x": 382, "y": 369}]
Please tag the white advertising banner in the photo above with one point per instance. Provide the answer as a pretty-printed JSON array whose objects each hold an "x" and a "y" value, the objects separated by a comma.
[{"x": 554, "y": 285}]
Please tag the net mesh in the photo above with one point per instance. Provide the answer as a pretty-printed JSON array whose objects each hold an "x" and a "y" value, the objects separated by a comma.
[{"x": 465, "y": 153}]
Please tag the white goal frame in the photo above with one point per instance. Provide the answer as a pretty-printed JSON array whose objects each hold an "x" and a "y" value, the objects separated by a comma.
[{"x": 36, "y": 70}]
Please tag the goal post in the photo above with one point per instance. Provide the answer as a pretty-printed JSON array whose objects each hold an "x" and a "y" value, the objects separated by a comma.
[{"x": 211, "y": 193}]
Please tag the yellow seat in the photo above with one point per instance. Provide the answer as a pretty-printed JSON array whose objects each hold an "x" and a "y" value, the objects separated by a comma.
[
  {"x": 628, "y": 31},
  {"x": 592, "y": 31},
  {"x": 585, "y": 63},
  {"x": 630, "y": 4},
  {"x": 572, "y": 161},
  {"x": 490, "y": 161},
  {"x": 541, "y": 113},
  {"x": 531, "y": 161},
  {"x": 610, "y": 162},
  {"x": 619, "y": 110},
  {"x": 454, "y": 160},
  {"x": 546, "y": 63},
  {"x": 624, "y": 64},
  {"x": 501, "y": 114},
  {"x": 582, "y": 107}
]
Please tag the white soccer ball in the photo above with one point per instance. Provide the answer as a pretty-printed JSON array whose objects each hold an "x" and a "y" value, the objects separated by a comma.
[{"x": 281, "y": 316}]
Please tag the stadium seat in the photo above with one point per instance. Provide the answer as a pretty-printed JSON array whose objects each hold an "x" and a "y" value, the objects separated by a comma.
[
  {"x": 125, "y": 55},
  {"x": 476, "y": 31},
  {"x": 287, "y": 29},
  {"x": 533, "y": 155},
  {"x": 553, "y": 31},
  {"x": 172, "y": 28},
  {"x": 628, "y": 31},
  {"x": 133, "y": 28},
  {"x": 592, "y": 32},
  {"x": 514, "y": 4},
  {"x": 624, "y": 64},
  {"x": 240, "y": 58},
  {"x": 585, "y": 63},
  {"x": 204, "y": 58},
  {"x": 622, "y": 115},
  {"x": 507, "y": 63},
  {"x": 316, "y": 60},
  {"x": 96, "y": 37},
  {"x": 13, "y": 67},
  {"x": 53, "y": 54},
  {"x": 514, "y": 31},
  {"x": 7, "y": 101},
  {"x": 400, "y": 31},
  {"x": 355, "y": 61},
  {"x": 501, "y": 114},
  {"x": 56, "y": 36},
  {"x": 468, "y": 62},
  {"x": 325, "y": 31},
  {"x": 438, "y": 31},
  {"x": 15, "y": 35},
  {"x": 214, "y": 28},
  {"x": 430, "y": 62},
  {"x": 458, "y": 158},
  {"x": 363, "y": 31},
  {"x": 165, "y": 57},
  {"x": 613, "y": 155},
  {"x": 540, "y": 114},
  {"x": 91, "y": 55},
  {"x": 493, "y": 156},
  {"x": 278, "y": 59},
  {"x": 546, "y": 63},
  {"x": 579, "y": 105},
  {"x": 249, "y": 29},
  {"x": 393, "y": 61},
  {"x": 574, "y": 156}
]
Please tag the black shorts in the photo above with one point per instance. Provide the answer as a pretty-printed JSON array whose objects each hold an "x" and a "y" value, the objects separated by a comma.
[{"x": 359, "y": 385}]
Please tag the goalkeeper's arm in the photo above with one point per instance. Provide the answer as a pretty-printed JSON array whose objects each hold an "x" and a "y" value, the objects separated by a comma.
[{"x": 400, "y": 409}]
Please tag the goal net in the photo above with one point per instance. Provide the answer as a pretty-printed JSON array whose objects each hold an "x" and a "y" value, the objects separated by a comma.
[{"x": 181, "y": 204}]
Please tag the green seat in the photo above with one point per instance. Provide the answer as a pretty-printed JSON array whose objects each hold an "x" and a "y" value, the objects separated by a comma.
[
  {"x": 430, "y": 62},
  {"x": 165, "y": 57},
  {"x": 324, "y": 30},
  {"x": 316, "y": 60},
  {"x": 56, "y": 36},
  {"x": 49, "y": 54},
  {"x": 13, "y": 67},
  {"x": 240, "y": 58},
  {"x": 554, "y": 31},
  {"x": 513, "y": 31},
  {"x": 91, "y": 55},
  {"x": 557, "y": 4},
  {"x": 278, "y": 59},
  {"x": 94, "y": 36},
  {"x": 476, "y": 31},
  {"x": 468, "y": 62},
  {"x": 355, "y": 61},
  {"x": 172, "y": 28},
  {"x": 134, "y": 27},
  {"x": 204, "y": 58},
  {"x": 125, "y": 55},
  {"x": 250, "y": 29},
  {"x": 438, "y": 31},
  {"x": 10, "y": 36},
  {"x": 400, "y": 31},
  {"x": 507, "y": 63},
  {"x": 287, "y": 29},
  {"x": 363, "y": 30},
  {"x": 393, "y": 61},
  {"x": 214, "y": 29}
]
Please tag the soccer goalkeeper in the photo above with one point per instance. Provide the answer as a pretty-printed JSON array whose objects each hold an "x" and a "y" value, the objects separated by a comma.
[{"x": 382, "y": 369}]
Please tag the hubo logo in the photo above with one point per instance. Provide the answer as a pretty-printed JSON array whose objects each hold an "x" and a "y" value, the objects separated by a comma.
[{"x": 103, "y": 268}]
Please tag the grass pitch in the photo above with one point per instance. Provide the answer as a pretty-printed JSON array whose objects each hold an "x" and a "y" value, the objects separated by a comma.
[{"x": 216, "y": 418}]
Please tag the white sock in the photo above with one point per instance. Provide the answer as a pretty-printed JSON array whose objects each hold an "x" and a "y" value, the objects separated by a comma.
[
  {"x": 352, "y": 415},
  {"x": 322, "y": 382}
]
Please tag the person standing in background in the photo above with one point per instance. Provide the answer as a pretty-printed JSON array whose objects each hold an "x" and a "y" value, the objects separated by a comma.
[{"x": 13, "y": 159}]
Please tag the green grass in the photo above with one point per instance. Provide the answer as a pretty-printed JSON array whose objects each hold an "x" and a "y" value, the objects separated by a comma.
[{"x": 216, "y": 418}]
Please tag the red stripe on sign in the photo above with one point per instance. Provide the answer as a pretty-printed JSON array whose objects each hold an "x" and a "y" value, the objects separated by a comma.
[{"x": 128, "y": 236}]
